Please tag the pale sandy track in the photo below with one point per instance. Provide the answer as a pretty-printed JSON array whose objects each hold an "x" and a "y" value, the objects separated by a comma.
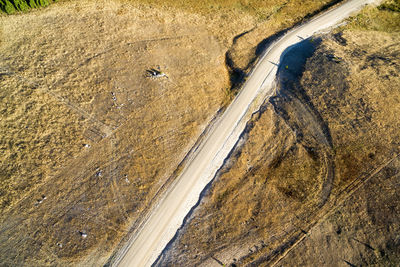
[{"x": 150, "y": 239}]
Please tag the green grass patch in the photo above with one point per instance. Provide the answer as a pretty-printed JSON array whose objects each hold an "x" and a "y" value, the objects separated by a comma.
[
  {"x": 384, "y": 18},
  {"x": 393, "y": 6},
  {"x": 12, "y": 6}
]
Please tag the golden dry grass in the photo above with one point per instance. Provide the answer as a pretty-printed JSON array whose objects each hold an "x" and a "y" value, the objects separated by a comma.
[
  {"x": 82, "y": 125},
  {"x": 76, "y": 77}
]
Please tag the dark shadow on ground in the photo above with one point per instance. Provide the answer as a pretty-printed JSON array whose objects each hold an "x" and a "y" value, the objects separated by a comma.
[
  {"x": 293, "y": 104},
  {"x": 264, "y": 44}
]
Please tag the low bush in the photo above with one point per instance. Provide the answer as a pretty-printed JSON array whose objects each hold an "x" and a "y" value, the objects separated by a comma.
[{"x": 11, "y": 6}]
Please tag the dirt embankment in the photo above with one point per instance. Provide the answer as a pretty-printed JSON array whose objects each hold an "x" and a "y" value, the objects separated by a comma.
[{"x": 314, "y": 178}]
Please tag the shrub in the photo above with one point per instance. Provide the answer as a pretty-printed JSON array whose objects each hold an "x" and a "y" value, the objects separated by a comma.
[
  {"x": 11, "y": 6},
  {"x": 7, "y": 7},
  {"x": 390, "y": 6}
]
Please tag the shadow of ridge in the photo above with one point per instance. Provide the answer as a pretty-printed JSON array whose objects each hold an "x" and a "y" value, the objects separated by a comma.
[
  {"x": 267, "y": 41},
  {"x": 238, "y": 75},
  {"x": 240, "y": 35},
  {"x": 294, "y": 58},
  {"x": 290, "y": 70}
]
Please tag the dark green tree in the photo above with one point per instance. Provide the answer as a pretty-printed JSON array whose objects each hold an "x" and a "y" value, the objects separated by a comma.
[
  {"x": 10, "y": 6},
  {"x": 7, "y": 7}
]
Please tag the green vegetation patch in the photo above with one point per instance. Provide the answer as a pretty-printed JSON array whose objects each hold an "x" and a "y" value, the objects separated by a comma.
[
  {"x": 11, "y": 6},
  {"x": 385, "y": 18},
  {"x": 390, "y": 6}
]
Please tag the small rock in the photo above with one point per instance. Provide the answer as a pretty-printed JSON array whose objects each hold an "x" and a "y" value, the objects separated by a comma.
[
  {"x": 39, "y": 201},
  {"x": 59, "y": 245},
  {"x": 83, "y": 234}
]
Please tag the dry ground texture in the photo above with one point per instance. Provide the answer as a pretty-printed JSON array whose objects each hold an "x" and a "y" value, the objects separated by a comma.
[
  {"x": 87, "y": 140},
  {"x": 314, "y": 181}
]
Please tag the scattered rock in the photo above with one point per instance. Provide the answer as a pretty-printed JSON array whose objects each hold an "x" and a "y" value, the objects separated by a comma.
[
  {"x": 83, "y": 234},
  {"x": 39, "y": 201},
  {"x": 155, "y": 73}
]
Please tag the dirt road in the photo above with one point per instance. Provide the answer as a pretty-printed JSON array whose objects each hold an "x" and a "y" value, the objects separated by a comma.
[{"x": 159, "y": 228}]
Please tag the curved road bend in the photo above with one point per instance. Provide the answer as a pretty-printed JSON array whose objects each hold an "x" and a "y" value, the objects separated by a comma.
[{"x": 164, "y": 220}]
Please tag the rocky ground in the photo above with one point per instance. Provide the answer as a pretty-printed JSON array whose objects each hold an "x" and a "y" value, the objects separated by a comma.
[
  {"x": 314, "y": 180},
  {"x": 88, "y": 139}
]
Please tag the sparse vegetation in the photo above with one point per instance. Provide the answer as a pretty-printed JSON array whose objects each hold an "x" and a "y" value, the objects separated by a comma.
[
  {"x": 393, "y": 5},
  {"x": 385, "y": 18}
]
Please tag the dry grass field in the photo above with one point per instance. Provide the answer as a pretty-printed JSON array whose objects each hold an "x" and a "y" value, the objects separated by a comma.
[
  {"x": 87, "y": 139},
  {"x": 314, "y": 180}
]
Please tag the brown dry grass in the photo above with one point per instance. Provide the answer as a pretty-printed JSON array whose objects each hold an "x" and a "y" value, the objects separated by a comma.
[
  {"x": 60, "y": 68},
  {"x": 57, "y": 94}
]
